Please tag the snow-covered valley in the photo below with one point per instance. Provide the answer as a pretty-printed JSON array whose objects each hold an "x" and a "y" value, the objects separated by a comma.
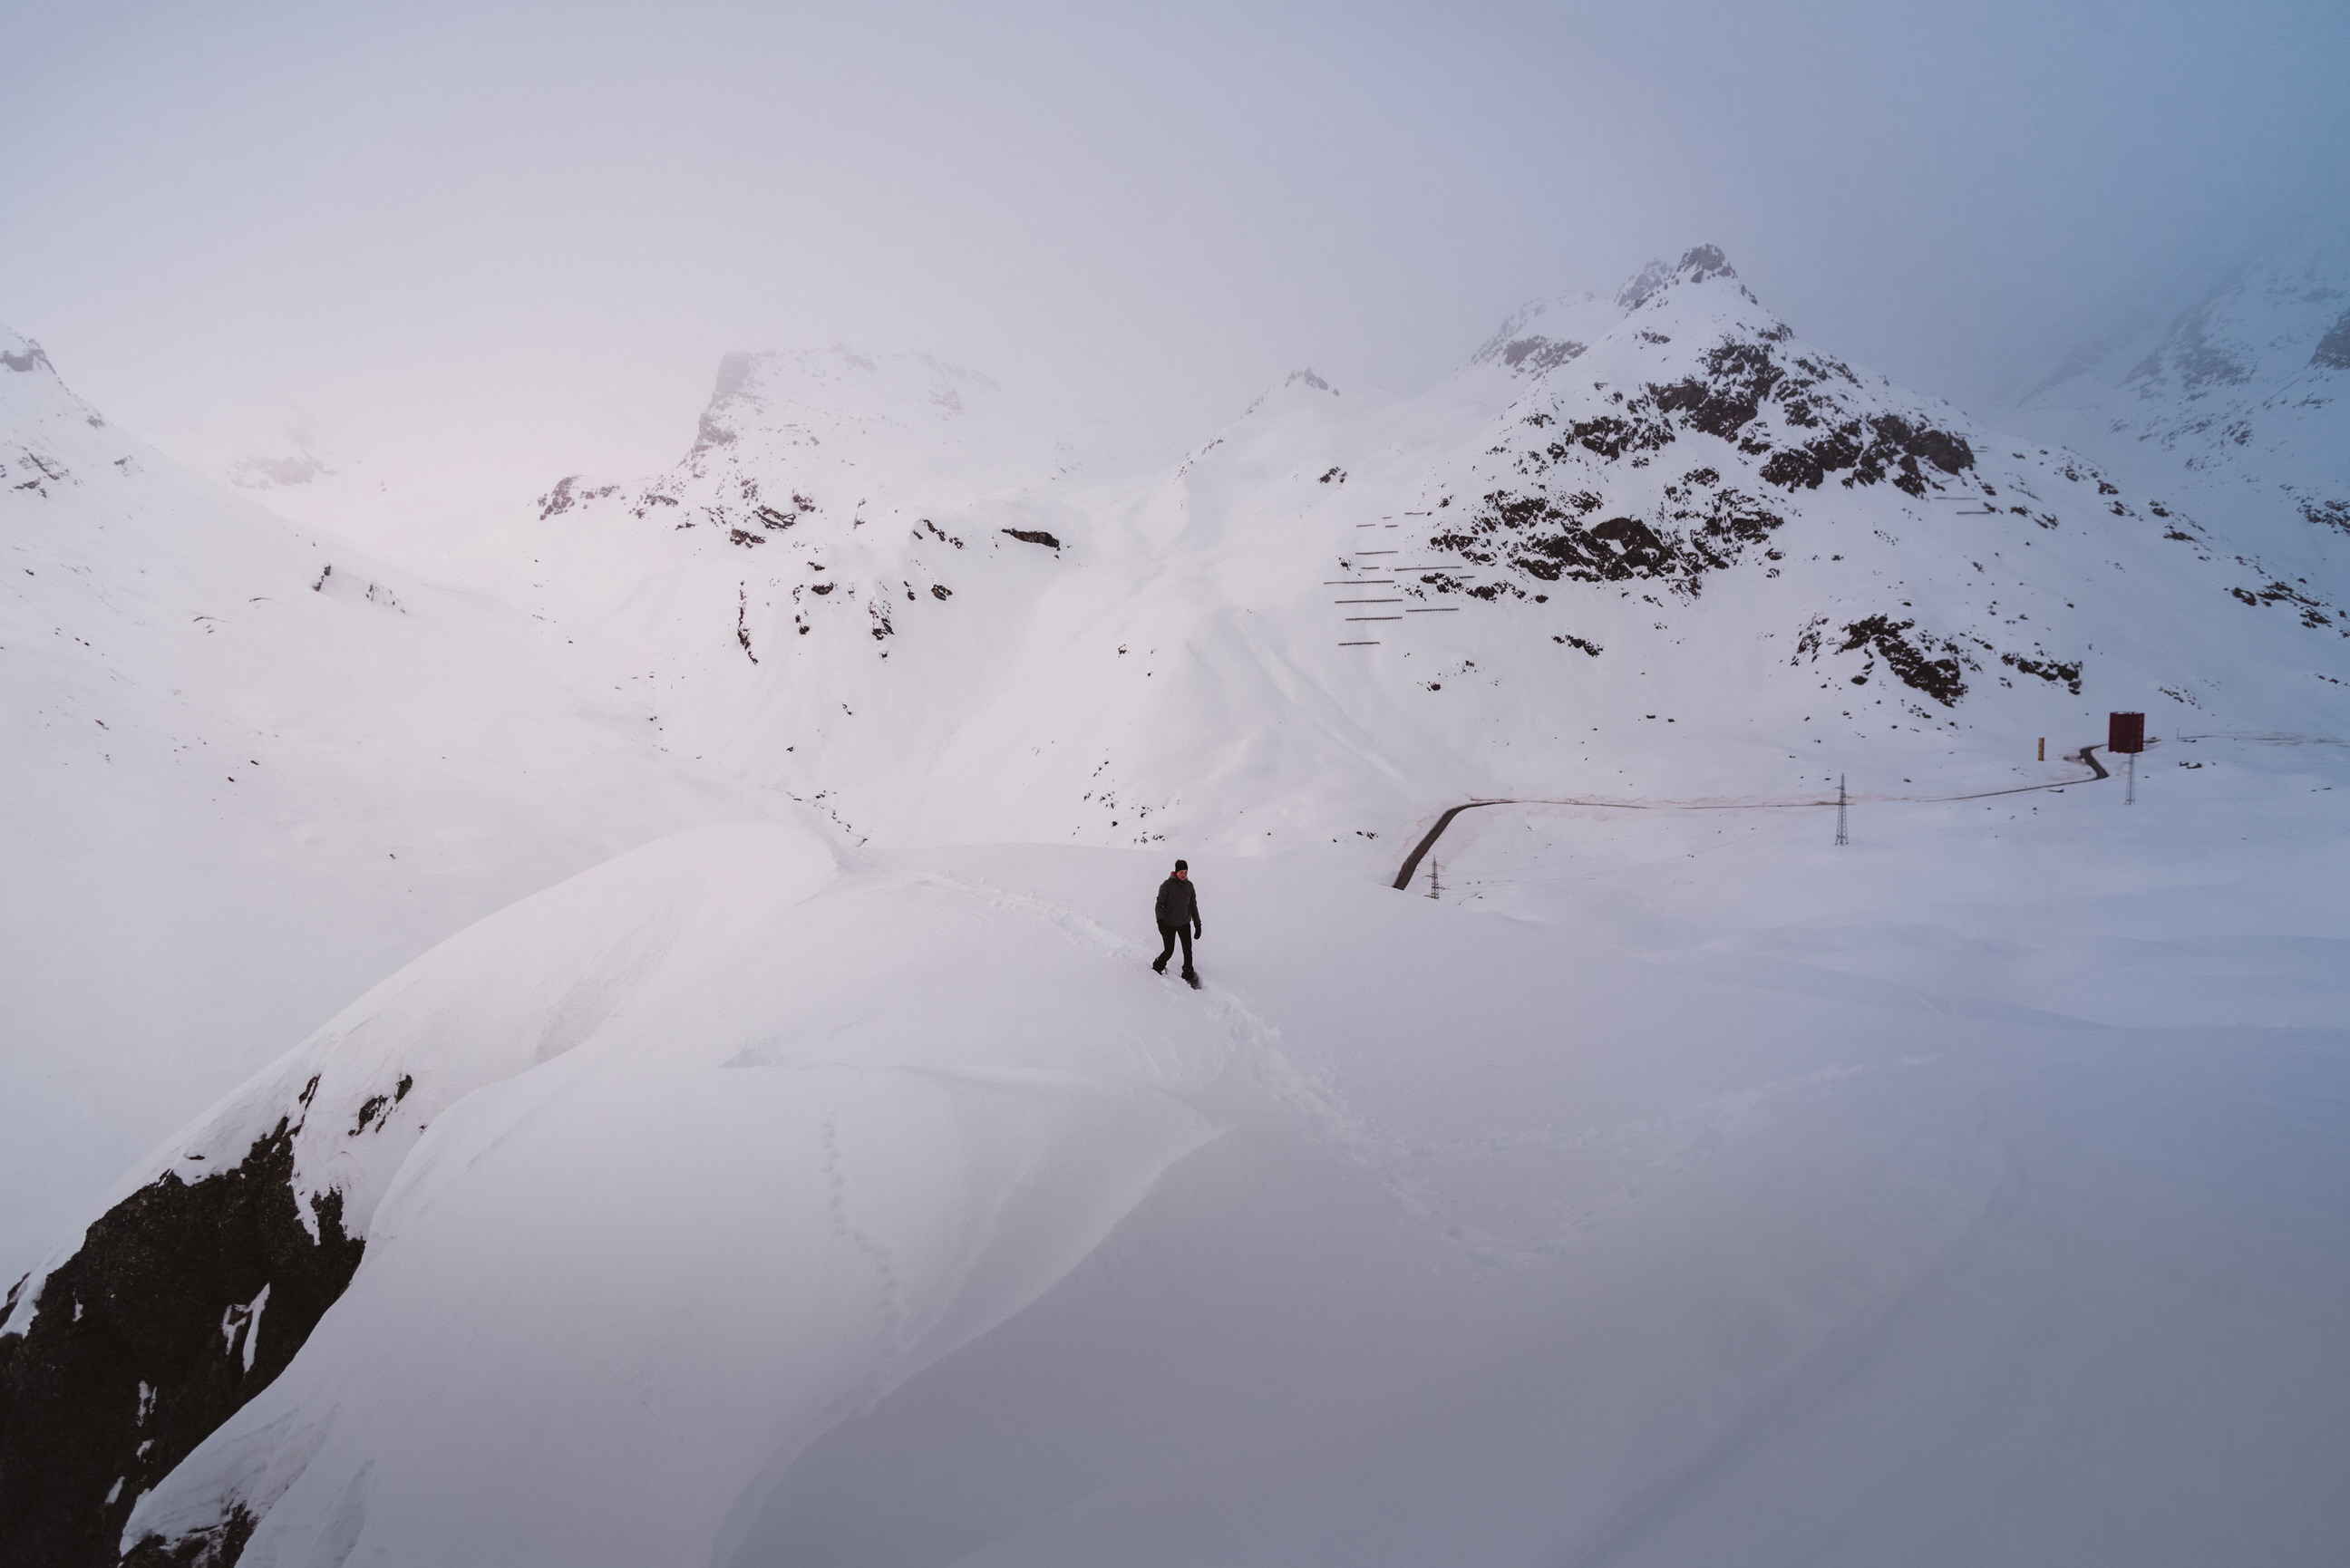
[{"x": 784, "y": 1154}]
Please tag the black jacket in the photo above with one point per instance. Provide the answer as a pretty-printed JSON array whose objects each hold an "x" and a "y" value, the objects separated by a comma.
[{"x": 1179, "y": 905}]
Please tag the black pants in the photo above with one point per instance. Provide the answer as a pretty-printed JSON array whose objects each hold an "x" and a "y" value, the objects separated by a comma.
[{"x": 1170, "y": 933}]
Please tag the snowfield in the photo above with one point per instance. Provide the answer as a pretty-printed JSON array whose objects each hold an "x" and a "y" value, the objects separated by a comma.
[
  {"x": 758, "y": 1137},
  {"x": 1975, "y": 1192}
]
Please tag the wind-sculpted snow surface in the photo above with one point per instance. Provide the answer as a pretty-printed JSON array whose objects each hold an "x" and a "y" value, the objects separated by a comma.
[
  {"x": 755, "y": 1134},
  {"x": 1970, "y": 1194}
]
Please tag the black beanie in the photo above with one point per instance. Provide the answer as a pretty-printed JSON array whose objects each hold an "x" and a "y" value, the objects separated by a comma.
[{"x": 1182, "y": 865}]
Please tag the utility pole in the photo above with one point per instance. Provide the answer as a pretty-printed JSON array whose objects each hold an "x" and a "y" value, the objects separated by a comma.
[
  {"x": 2129, "y": 796},
  {"x": 1842, "y": 837},
  {"x": 1433, "y": 888}
]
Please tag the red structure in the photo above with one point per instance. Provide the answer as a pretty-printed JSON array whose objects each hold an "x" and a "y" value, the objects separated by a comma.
[{"x": 2124, "y": 734}]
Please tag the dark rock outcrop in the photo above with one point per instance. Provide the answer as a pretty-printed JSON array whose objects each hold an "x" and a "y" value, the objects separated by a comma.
[
  {"x": 184, "y": 1301},
  {"x": 2333, "y": 350}
]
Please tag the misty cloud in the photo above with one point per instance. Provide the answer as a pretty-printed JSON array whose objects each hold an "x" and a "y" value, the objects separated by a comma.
[{"x": 492, "y": 245}]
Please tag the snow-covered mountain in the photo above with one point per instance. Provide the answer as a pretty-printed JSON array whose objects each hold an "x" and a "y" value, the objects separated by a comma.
[
  {"x": 2239, "y": 409},
  {"x": 839, "y": 1185},
  {"x": 308, "y": 467},
  {"x": 249, "y": 770},
  {"x": 1653, "y": 541}
]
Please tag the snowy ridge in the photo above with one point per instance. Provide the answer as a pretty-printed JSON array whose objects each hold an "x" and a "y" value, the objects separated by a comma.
[
  {"x": 2239, "y": 409},
  {"x": 833, "y": 537},
  {"x": 731, "y": 973},
  {"x": 859, "y": 1181},
  {"x": 251, "y": 770}
]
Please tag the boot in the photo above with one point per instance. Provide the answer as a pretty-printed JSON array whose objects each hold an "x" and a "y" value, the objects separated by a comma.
[
  {"x": 1191, "y": 978},
  {"x": 1159, "y": 966}
]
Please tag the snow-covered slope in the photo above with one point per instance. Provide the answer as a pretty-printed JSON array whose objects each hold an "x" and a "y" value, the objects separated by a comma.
[
  {"x": 826, "y": 585},
  {"x": 2237, "y": 410},
  {"x": 248, "y": 771},
  {"x": 749, "y": 1201},
  {"x": 1655, "y": 543}
]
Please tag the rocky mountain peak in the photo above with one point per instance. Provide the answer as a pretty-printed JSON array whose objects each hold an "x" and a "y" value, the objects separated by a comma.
[
  {"x": 22, "y": 354},
  {"x": 1550, "y": 333},
  {"x": 1698, "y": 264}
]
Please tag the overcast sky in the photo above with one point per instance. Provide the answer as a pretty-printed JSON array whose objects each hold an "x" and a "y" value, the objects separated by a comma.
[{"x": 505, "y": 241}]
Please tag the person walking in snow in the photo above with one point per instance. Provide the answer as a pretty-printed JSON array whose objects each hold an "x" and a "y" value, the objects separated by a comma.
[{"x": 1179, "y": 917}]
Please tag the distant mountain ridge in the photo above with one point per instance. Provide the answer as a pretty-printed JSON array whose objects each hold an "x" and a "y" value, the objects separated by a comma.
[
  {"x": 2239, "y": 406},
  {"x": 853, "y": 597}
]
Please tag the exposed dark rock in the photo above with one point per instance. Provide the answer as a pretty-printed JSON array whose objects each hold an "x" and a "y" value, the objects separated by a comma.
[
  {"x": 2332, "y": 351},
  {"x": 148, "y": 1338},
  {"x": 1610, "y": 436},
  {"x": 2054, "y": 670},
  {"x": 219, "y": 1547},
  {"x": 1913, "y": 663},
  {"x": 1724, "y": 527},
  {"x": 1702, "y": 262},
  {"x": 1535, "y": 353},
  {"x": 568, "y": 495},
  {"x": 2328, "y": 513},
  {"x": 1739, "y": 377},
  {"x": 1547, "y": 538},
  {"x": 2313, "y": 612},
  {"x": 1034, "y": 536},
  {"x": 1870, "y": 449}
]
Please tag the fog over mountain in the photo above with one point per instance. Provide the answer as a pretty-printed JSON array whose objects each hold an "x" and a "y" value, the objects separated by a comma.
[{"x": 464, "y": 247}]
